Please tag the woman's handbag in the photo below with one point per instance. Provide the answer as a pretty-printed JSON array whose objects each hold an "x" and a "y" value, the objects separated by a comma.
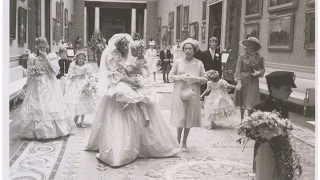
[{"x": 187, "y": 93}]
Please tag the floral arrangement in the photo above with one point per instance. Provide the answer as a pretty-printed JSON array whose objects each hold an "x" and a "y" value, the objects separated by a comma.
[
  {"x": 211, "y": 74},
  {"x": 35, "y": 71},
  {"x": 90, "y": 88},
  {"x": 269, "y": 127}
]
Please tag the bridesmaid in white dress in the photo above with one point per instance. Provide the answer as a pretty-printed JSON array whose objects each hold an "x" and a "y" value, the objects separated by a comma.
[
  {"x": 118, "y": 134},
  {"x": 44, "y": 113},
  {"x": 151, "y": 57},
  {"x": 78, "y": 102}
]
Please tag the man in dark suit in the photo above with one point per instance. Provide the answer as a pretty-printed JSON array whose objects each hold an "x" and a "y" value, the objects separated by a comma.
[
  {"x": 165, "y": 56},
  {"x": 211, "y": 59}
]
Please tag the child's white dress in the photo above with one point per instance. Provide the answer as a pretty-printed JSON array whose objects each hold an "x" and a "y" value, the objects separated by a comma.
[
  {"x": 79, "y": 103},
  {"x": 218, "y": 104},
  {"x": 44, "y": 113},
  {"x": 124, "y": 92}
]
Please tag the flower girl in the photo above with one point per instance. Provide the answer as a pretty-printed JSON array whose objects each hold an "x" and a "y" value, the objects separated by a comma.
[
  {"x": 79, "y": 99},
  {"x": 44, "y": 112},
  {"x": 218, "y": 104}
]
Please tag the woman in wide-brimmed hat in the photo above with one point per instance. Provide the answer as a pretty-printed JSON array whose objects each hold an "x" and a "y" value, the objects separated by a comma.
[{"x": 250, "y": 67}]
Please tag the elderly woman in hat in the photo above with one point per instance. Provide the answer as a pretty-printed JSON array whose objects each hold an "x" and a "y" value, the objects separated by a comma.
[
  {"x": 151, "y": 57},
  {"x": 250, "y": 67},
  {"x": 188, "y": 74}
]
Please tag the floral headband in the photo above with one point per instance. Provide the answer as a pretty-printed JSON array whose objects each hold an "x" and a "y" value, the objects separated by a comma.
[
  {"x": 211, "y": 74},
  {"x": 81, "y": 53}
]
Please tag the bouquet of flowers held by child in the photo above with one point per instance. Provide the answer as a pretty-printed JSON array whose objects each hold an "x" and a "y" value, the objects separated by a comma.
[
  {"x": 35, "y": 71},
  {"x": 90, "y": 88},
  {"x": 269, "y": 127}
]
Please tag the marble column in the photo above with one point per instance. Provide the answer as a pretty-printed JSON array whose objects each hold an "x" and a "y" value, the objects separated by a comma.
[
  {"x": 85, "y": 27},
  {"x": 97, "y": 19},
  {"x": 43, "y": 18},
  {"x": 145, "y": 26},
  {"x": 133, "y": 20}
]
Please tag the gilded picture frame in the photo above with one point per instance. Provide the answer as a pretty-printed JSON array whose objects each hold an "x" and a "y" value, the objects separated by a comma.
[
  {"x": 253, "y": 9},
  {"x": 280, "y": 32}
]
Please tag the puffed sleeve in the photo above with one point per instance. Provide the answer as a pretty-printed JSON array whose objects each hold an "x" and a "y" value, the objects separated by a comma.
[
  {"x": 31, "y": 59},
  {"x": 209, "y": 85},
  {"x": 262, "y": 68},
  {"x": 71, "y": 71},
  {"x": 89, "y": 68},
  {"x": 115, "y": 71},
  {"x": 174, "y": 70},
  {"x": 203, "y": 80},
  {"x": 30, "y": 62},
  {"x": 223, "y": 84},
  {"x": 54, "y": 62},
  {"x": 237, "y": 74}
]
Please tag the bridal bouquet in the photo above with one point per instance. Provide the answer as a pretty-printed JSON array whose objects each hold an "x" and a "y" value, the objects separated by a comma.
[
  {"x": 35, "y": 71},
  {"x": 269, "y": 127},
  {"x": 90, "y": 88}
]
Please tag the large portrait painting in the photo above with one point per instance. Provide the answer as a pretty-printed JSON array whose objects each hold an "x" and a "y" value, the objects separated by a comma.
[
  {"x": 22, "y": 25},
  {"x": 251, "y": 30},
  {"x": 159, "y": 24},
  {"x": 194, "y": 30},
  {"x": 279, "y": 5},
  {"x": 13, "y": 11},
  {"x": 184, "y": 35},
  {"x": 203, "y": 33},
  {"x": 58, "y": 10},
  {"x": 179, "y": 22},
  {"x": 253, "y": 9},
  {"x": 164, "y": 35},
  {"x": 171, "y": 20},
  {"x": 310, "y": 30},
  {"x": 281, "y": 32},
  {"x": 186, "y": 16}
]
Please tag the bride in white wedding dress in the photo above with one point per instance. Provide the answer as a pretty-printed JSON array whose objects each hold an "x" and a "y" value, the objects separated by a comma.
[{"x": 118, "y": 131}]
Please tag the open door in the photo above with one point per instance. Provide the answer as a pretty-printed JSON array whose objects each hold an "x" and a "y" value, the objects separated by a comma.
[{"x": 215, "y": 18}]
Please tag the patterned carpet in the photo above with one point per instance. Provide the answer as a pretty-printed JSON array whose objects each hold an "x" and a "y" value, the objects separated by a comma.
[{"x": 212, "y": 154}]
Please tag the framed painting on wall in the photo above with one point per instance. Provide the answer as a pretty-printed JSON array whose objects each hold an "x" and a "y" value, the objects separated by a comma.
[
  {"x": 281, "y": 32},
  {"x": 13, "y": 11},
  {"x": 179, "y": 22},
  {"x": 22, "y": 25},
  {"x": 253, "y": 9},
  {"x": 203, "y": 33},
  {"x": 186, "y": 16},
  {"x": 171, "y": 20},
  {"x": 184, "y": 35},
  {"x": 194, "y": 30},
  {"x": 54, "y": 33},
  {"x": 164, "y": 35},
  {"x": 58, "y": 10},
  {"x": 66, "y": 20},
  {"x": 204, "y": 10},
  {"x": 310, "y": 30},
  {"x": 279, "y": 5},
  {"x": 251, "y": 30},
  {"x": 159, "y": 24}
]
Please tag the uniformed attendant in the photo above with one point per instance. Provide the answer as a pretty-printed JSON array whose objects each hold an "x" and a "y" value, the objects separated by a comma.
[
  {"x": 64, "y": 63},
  {"x": 279, "y": 86}
]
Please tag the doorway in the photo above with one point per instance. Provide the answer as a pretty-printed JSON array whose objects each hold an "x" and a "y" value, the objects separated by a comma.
[{"x": 215, "y": 18}]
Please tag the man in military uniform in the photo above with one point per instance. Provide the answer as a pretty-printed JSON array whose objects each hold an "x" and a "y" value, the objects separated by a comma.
[{"x": 279, "y": 86}]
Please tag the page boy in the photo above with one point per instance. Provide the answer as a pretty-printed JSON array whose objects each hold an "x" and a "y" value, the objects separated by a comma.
[{"x": 280, "y": 84}]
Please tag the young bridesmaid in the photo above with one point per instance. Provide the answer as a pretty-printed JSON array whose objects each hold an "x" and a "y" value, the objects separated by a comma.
[
  {"x": 44, "y": 113},
  {"x": 79, "y": 102}
]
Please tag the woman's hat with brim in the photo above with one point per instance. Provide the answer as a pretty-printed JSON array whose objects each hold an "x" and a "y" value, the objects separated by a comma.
[
  {"x": 252, "y": 40},
  {"x": 191, "y": 41}
]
